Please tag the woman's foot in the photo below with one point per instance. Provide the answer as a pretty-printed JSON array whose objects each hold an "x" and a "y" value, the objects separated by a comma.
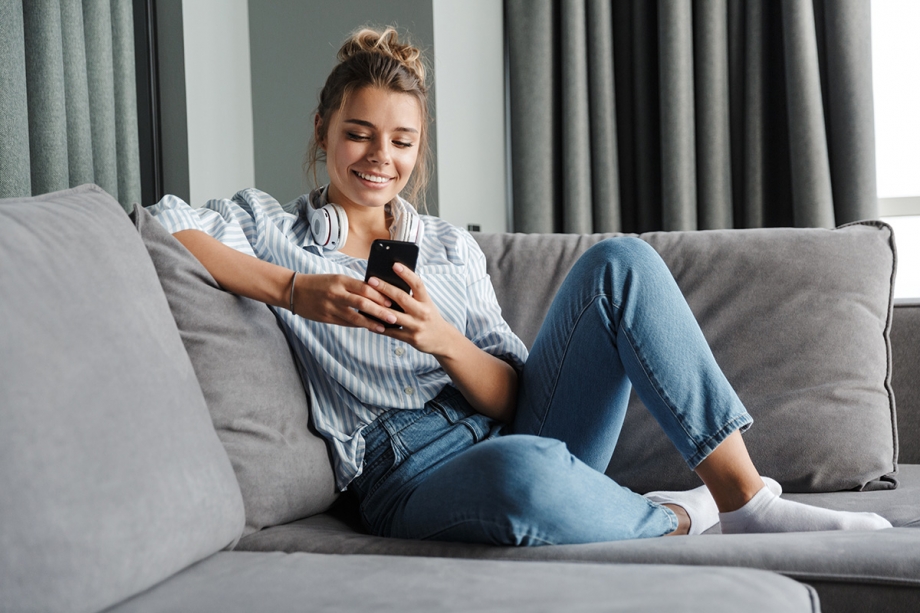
[
  {"x": 699, "y": 505},
  {"x": 767, "y": 512}
]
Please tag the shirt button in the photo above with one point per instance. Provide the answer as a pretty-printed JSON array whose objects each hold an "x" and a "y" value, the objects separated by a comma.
[
  {"x": 399, "y": 351},
  {"x": 409, "y": 391}
]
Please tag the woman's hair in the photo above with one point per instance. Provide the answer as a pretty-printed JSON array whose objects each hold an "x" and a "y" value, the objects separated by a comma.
[{"x": 372, "y": 58}]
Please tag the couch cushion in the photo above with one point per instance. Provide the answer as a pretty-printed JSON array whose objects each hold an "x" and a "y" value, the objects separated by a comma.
[
  {"x": 797, "y": 318},
  {"x": 251, "y": 384},
  {"x": 112, "y": 477},
  {"x": 881, "y": 566},
  {"x": 277, "y": 582}
]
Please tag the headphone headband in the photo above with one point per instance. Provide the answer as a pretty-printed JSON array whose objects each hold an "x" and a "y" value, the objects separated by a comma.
[{"x": 329, "y": 222}]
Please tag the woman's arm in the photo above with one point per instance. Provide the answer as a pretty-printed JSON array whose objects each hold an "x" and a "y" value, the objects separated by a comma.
[
  {"x": 325, "y": 298},
  {"x": 488, "y": 383}
]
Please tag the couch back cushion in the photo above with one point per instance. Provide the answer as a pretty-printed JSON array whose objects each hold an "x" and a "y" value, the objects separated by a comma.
[
  {"x": 797, "y": 318},
  {"x": 111, "y": 474},
  {"x": 251, "y": 384}
]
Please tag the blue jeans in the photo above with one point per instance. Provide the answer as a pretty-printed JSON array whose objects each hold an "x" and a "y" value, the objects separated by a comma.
[{"x": 619, "y": 320}]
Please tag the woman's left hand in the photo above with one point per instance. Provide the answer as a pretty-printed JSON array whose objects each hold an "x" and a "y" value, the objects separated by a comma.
[{"x": 421, "y": 323}]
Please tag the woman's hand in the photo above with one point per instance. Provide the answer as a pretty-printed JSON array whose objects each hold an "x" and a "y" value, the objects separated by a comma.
[
  {"x": 421, "y": 323},
  {"x": 336, "y": 299},
  {"x": 488, "y": 383}
]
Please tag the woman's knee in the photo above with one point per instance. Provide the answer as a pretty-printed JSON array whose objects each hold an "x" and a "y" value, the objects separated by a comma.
[
  {"x": 628, "y": 249},
  {"x": 524, "y": 469},
  {"x": 623, "y": 260}
]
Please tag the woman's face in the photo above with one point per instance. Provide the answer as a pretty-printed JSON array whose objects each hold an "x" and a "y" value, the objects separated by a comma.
[{"x": 371, "y": 147}]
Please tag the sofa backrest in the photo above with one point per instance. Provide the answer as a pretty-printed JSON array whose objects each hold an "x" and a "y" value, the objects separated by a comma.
[
  {"x": 797, "y": 318},
  {"x": 905, "y": 377},
  {"x": 111, "y": 475}
]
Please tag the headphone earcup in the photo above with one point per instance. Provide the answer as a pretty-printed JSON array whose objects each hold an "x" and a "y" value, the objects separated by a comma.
[
  {"x": 329, "y": 226},
  {"x": 409, "y": 226}
]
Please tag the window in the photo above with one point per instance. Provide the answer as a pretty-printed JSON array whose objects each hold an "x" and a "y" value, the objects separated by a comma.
[{"x": 895, "y": 57}]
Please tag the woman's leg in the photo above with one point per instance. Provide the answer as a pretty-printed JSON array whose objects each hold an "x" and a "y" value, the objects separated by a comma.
[
  {"x": 445, "y": 473},
  {"x": 620, "y": 319}
]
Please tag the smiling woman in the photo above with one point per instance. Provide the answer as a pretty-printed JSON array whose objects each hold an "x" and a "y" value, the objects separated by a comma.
[{"x": 443, "y": 425}]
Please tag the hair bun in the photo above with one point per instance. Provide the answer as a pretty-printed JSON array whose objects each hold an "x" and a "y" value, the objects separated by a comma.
[{"x": 386, "y": 43}]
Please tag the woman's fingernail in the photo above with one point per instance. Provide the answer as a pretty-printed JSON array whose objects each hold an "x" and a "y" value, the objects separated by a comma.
[
  {"x": 398, "y": 267},
  {"x": 391, "y": 319},
  {"x": 373, "y": 282}
]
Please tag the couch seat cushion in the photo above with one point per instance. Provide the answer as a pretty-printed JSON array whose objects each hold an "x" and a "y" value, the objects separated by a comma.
[
  {"x": 244, "y": 582},
  {"x": 111, "y": 475},
  {"x": 882, "y": 565}
]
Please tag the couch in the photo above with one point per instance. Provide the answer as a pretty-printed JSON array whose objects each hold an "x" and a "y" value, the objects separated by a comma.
[{"x": 156, "y": 452}]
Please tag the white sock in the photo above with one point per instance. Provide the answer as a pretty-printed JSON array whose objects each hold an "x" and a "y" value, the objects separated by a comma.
[
  {"x": 699, "y": 505},
  {"x": 766, "y": 512}
]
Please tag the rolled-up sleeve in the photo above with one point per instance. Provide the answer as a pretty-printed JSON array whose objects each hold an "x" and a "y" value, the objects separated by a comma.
[
  {"x": 221, "y": 219},
  {"x": 485, "y": 325}
]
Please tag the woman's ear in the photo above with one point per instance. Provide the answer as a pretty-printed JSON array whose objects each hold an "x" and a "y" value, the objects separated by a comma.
[{"x": 317, "y": 132}]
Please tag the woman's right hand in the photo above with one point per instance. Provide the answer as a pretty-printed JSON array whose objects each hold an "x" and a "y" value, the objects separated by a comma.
[{"x": 336, "y": 299}]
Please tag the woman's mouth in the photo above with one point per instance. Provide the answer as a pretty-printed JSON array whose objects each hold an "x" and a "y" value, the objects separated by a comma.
[{"x": 375, "y": 180}]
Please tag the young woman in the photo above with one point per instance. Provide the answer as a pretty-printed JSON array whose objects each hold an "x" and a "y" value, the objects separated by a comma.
[{"x": 444, "y": 427}]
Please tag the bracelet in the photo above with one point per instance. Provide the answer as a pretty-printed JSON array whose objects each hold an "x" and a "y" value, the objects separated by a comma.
[{"x": 293, "y": 279}]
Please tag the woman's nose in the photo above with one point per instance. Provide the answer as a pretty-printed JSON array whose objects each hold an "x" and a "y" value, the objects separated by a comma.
[{"x": 380, "y": 153}]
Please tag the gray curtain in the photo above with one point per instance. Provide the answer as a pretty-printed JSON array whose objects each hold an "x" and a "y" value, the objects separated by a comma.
[
  {"x": 68, "y": 103},
  {"x": 636, "y": 115}
]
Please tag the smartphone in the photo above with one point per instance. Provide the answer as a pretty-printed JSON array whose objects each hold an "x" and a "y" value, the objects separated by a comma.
[{"x": 385, "y": 253}]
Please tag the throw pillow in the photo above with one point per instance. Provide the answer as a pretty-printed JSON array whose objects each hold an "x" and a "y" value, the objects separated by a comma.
[{"x": 251, "y": 384}]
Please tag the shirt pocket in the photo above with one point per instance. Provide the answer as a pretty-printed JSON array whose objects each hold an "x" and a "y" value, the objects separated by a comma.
[{"x": 446, "y": 285}]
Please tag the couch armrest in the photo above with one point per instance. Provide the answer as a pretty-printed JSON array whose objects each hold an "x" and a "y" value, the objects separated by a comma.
[{"x": 905, "y": 377}]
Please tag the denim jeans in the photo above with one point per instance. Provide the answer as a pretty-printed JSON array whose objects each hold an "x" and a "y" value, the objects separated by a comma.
[{"x": 619, "y": 320}]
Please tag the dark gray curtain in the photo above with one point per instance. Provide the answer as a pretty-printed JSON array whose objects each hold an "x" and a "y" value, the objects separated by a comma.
[
  {"x": 68, "y": 107},
  {"x": 636, "y": 115}
]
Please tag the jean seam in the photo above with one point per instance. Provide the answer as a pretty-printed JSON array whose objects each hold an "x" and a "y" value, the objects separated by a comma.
[
  {"x": 659, "y": 391},
  {"x": 671, "y": 515},
  {"x": 566, "y": 345},
  {"x": 707, "y": 447},
  {"x": 460, "y": 522}
]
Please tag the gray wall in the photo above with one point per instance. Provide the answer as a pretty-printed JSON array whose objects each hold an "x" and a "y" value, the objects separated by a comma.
[{"x": 292, "y": 49}]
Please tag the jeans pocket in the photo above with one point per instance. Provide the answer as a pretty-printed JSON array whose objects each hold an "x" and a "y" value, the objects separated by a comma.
[{"x": 458, "y": 412}]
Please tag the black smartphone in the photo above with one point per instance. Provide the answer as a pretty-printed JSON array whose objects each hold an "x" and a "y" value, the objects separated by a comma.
[{"x": 385, "y": 253}]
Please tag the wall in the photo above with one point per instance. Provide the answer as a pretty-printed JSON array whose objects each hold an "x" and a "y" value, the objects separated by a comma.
[
  {"x": 217, "y": 85},
  {"x": 469, "y": 71},
  {"x": 205, "y": 99}
]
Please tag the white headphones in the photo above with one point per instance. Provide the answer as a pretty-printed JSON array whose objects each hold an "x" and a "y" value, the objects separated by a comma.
[{"x": 329, "y": 223}]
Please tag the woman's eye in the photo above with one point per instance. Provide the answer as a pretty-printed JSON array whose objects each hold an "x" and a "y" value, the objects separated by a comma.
[
  {"x": 354, "y": 136},
  {"x": 400, "y": 143}
]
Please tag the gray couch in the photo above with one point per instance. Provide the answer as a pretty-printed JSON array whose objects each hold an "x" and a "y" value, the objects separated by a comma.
[{"x": 156, "y": 452}]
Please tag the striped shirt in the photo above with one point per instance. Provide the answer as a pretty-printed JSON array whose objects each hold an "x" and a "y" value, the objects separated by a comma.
[{"x": 353, "y": 375}]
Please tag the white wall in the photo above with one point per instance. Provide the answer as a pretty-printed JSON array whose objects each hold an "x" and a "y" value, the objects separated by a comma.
[
  {"x": 896, "y": 84},
  {"x": 469, "y": 92},
  {"x": 219, "y": 98}
]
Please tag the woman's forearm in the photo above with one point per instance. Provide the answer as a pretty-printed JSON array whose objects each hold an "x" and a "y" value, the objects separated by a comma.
[
  {"x": 237, "y": 272},
  {"x": 488, "y": 383}
]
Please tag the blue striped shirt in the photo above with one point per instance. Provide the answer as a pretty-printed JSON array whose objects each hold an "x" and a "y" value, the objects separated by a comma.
[{"x": 353, "y": 375}]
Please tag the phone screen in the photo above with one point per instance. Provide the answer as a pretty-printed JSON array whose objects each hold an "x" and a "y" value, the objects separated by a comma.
[{"x": 385, "y": 253}]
